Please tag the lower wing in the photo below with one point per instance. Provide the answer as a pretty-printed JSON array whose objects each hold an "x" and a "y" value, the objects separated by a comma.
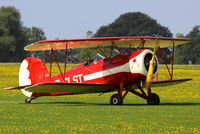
[
  {"x": 79, "y": 88},
  {"x": 163, "y": 83}
]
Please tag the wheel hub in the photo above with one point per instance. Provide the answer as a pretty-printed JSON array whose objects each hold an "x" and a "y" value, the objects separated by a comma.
[{"x": 115, "y": 101}]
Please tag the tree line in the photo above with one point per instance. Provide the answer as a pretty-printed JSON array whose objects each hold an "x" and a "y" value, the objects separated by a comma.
[{"x": 14, "y": 37}]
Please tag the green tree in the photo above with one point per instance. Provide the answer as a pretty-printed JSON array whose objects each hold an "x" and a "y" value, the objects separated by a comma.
[
  {"x": 136, "y": 24},
  {"x": 34, "y": 34},
  {"x": 190, "y": 52},
  {"x": 13, "y": 36},
  {"x": 133, "y": 24},
  {"x": 180, "y": 35},
  {"x": 89, "y": 34},
  {"x": 10, "y": 31}
]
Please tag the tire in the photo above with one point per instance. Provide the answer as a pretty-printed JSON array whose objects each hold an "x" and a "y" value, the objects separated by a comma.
[
  {"x": 155, "y": 99},
  {"x": 116, "y": 99},
  {"x": 28, "y": 100}
]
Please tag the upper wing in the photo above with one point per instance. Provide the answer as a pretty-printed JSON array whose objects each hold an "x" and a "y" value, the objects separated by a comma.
[
  {"x": 107, "y": 41},
  {"x": 77, "y": 88}
]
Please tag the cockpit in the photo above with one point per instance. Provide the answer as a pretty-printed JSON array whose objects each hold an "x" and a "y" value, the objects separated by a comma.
[
  {"x": 98, "y": 57},
  {"x": 115, "y": 53}
]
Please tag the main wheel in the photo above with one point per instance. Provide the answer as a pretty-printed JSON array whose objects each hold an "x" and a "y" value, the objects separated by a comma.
[
  {"x": 116, "y": 99},
  {"x": 155, "y": 99}
]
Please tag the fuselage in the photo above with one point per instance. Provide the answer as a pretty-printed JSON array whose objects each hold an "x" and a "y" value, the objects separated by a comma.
[{"x": 130, "y": 68}]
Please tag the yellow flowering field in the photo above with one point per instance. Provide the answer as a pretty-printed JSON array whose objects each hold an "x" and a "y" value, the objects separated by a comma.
[{"x": 179, "y": 111}]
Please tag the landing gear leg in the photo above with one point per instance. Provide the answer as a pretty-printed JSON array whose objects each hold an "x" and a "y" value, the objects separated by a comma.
[
  {"x": 152, "y": 98},
  {"x": 28, "y": 100},
  {"x": 117, "y": 99}
]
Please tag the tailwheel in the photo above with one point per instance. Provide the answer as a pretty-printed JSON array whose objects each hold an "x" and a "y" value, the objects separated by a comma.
[
  {"x": 154, "y": 100},
  {"x": 116, "y": 99},
  {"x": 28, "y": 100}
]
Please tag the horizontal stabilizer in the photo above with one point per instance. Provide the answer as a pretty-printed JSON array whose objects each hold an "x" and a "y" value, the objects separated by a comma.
[{"x": 18, "y": 87}]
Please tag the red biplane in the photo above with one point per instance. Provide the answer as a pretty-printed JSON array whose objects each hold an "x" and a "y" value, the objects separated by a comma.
[{"x": 117, "y": 72}]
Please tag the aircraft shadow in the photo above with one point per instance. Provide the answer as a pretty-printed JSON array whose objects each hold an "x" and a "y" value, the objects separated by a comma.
[
  {"x": 180, "y": 104},
  {"x": 107, "y": 104}
]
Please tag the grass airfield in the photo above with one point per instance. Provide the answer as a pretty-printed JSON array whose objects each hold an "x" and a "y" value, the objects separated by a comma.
[{"x": 179, "y": 111}]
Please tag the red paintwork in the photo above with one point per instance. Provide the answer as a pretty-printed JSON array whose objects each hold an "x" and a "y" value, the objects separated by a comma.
[
  {"x": 37, "y": 68},
  {"x": 100, "y": 65},
  {"x": 104, "y": 65}
]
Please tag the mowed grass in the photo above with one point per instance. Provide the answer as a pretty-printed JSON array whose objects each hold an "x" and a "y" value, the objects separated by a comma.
[{"x": 179, "y": 111}]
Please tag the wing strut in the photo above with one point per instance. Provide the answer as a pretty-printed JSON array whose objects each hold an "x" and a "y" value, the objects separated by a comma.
[
  {"x": 53, "y": 53},
  {"x": 45, "y": 60},
  {"x": 102, "y": 51},
  {"x": 170, "y": 72},
  {"x": 172, "y": 60},
  {"x": 65, "y": 60},
  {"x": 51, "y": 62}
]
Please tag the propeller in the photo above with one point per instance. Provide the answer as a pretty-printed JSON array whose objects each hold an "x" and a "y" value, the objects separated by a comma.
[{"x": 151, "y": 67}]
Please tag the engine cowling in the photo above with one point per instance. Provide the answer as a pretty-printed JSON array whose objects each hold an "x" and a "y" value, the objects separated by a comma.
[{"x": 139, "y": 62}]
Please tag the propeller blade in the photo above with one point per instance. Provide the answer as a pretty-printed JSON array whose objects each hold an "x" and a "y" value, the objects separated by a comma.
[{"x": 151, "y": 67}]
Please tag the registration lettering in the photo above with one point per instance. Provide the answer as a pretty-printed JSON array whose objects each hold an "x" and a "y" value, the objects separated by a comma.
[{"x": 77, "y": 78}]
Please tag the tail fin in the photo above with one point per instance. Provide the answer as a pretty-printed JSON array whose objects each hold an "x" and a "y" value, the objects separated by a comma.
[{"x": 32, "y": 71}]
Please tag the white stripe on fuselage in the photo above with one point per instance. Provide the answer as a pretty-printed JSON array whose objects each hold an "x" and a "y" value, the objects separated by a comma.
[{"x": 119, "y": 69}]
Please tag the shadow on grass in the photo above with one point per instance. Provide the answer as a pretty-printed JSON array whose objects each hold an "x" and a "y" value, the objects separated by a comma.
[
  {"x": 180, "y": 104},
  {"x": 107, "y": 104}
]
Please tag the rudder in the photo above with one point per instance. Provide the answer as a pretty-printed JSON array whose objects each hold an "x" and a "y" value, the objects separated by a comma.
[{"x": 32, "y": 71}]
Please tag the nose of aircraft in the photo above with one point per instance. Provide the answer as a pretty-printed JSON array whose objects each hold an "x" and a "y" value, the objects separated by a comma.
[{"x": 139, "y": 62}]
